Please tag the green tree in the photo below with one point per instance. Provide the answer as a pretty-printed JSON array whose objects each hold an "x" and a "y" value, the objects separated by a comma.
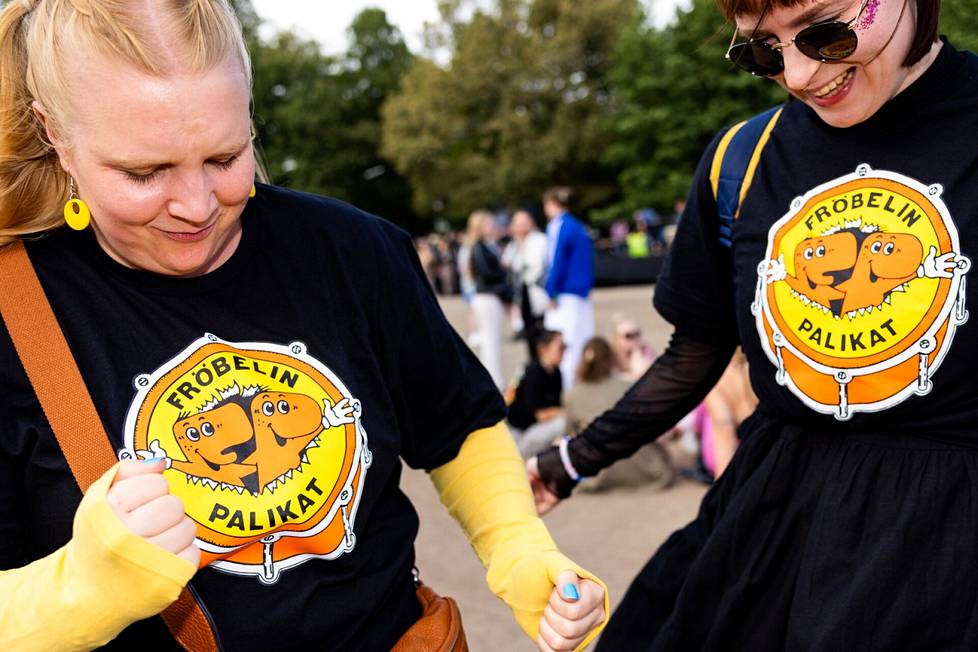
[
  {"x": 959, "y": 21},
  {"x": 318, "y": 117},
  {"x": 516, "y": 109},
  {"x": 674, "y": 90},
  {"x": 373, "y": 69}
]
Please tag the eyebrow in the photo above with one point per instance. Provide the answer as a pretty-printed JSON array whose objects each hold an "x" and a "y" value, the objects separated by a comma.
[{"x": 154, "y": 165}]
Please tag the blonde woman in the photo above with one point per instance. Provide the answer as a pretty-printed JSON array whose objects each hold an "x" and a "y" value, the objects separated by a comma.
[
  {"x": 270, "y": 356},
  {"x": 492, "y": 291}
]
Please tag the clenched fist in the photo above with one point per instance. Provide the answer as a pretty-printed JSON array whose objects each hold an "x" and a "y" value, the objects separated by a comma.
[
  {"x": 576, "y": 607},
  {"x": 140, "y": 498}
]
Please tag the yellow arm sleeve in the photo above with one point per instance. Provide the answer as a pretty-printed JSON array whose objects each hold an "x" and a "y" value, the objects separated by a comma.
[
  {"x": 82, "y": 595},
  {"x": 485, "y": 488}
]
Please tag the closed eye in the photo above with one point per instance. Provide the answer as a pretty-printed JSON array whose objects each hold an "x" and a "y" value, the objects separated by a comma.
[
  {"x": 141, "y": 178},
  {"x": 226, "y": 164}
]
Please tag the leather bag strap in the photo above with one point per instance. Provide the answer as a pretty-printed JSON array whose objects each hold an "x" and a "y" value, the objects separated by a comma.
[{"x": 66, "y": 403}]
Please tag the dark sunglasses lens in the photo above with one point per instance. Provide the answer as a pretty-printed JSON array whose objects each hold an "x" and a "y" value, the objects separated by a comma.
[
  {"x": 827, "y": 42},
  {"x": 757, "y": 58}
]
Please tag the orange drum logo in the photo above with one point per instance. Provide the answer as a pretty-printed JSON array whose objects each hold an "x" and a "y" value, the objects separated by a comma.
[
  {"x": 861, "y": 291},
  {"x": 263, "y": 444}
]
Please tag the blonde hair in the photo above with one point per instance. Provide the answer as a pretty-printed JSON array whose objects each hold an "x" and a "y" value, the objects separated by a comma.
[
  {"x": 38, "y": 42},
  {"x": 475, "y": 226}
]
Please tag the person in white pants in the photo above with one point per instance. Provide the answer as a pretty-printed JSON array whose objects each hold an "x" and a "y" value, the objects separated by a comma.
[{"x": 491, "y": 291}]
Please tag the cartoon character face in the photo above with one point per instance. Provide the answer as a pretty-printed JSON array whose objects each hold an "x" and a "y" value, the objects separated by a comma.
[
  {"x": 284, "y": 425},
  {"x": 816, "y": 257},
  {"x": 210, "y": 435},
  {"x": 286, "y": 415},
  {"x": 891, "y": 255}
]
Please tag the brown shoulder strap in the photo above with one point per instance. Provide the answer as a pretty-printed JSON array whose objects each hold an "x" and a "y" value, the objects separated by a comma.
[{"x": 51, "y": 369}]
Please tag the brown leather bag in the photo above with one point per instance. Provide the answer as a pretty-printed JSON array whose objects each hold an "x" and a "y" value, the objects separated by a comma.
[{"x": 440, "y": 627}]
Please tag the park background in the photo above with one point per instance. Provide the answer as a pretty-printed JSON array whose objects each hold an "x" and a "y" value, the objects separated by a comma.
[{"x": 504, "y": 98}]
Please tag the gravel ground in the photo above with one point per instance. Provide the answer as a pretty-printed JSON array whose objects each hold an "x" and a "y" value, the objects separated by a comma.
[{"x": 612, "y": 534}]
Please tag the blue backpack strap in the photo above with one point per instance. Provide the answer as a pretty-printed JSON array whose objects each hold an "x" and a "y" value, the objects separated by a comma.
[{"x": 734, "y": 164}]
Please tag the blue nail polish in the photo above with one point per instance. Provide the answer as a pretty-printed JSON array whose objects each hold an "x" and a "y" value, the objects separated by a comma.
[
  {"x": 152, "y": 460},
  {"x": 570, "y": 592}
]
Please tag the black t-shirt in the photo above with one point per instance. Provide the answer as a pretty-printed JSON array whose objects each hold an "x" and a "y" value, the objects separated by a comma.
[
  {"x": 284, "y": 387},
  {"x": 538, "y": 389},
  {"x": 850, "y": 279}
]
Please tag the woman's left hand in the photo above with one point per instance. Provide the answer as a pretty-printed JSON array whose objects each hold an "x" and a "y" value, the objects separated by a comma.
[{"x": 576, "y": 607}]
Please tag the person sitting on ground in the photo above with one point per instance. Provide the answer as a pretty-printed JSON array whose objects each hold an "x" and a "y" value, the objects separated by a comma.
[
  {"x": 536, "y": 417},
  {"x": 633, "y": 356},
  {"x": 597, "y": 389}
]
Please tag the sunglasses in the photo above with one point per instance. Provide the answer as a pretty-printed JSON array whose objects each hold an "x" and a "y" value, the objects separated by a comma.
[{"x": 827, "y": 41}]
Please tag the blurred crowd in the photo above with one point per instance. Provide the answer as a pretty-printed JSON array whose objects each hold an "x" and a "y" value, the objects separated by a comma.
[
  {"x": 531, "y": 281},
  {"x": 647, "y": 233}
]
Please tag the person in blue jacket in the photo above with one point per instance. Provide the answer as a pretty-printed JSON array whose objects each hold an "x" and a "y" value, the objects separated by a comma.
[{"x": 570, "y": 257}]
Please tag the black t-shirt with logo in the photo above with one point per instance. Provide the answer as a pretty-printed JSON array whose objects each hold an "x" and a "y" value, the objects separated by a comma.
[
  {"x": 283, "y": 387},
  {"x": 846, "y": 519},
  {"x": 850, "y": 277}
]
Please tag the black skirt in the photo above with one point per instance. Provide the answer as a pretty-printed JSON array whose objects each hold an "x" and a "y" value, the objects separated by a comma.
[{"x": 818, "y": 542}]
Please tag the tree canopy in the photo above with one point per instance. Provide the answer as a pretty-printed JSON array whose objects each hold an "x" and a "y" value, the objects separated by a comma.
[
  {"x": 318, "y": 117},
  {"x": 517, "y": 108},
  {"x": 512, "y": 96},
  {"x": 673, "y": 91}
]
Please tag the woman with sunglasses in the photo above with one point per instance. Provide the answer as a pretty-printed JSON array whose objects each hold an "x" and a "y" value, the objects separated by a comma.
[{"x": 846, "y": 520}]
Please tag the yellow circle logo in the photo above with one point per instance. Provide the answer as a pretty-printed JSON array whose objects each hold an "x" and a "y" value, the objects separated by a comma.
[
  {"x": 861, "y": 291},
  {"x": 264, "y": 446}
]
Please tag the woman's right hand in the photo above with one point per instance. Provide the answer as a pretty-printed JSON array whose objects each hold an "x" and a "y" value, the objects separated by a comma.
[
  {"x": 140, "y": 498},
  {"x": 545, "y": 500}
]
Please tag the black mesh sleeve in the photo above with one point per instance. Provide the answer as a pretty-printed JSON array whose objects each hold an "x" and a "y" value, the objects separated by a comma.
[{"x": 675, "y": 383}]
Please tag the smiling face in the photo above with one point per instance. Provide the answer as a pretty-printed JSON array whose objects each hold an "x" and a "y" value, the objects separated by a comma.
[
  {"x": 891, "y": 255},
  {"x": 816, "y": 257},
  {"x": 164, "y": 163},
  {"x": 212, "y": 434},
  {"x": 286, "y": 415},
  {"x": 844, "y": 93}
]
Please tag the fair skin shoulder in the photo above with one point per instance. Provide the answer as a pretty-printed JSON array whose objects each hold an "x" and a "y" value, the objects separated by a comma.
[
  {"x": 164, "y": 163},
  {"x": 844, "y": 93}
]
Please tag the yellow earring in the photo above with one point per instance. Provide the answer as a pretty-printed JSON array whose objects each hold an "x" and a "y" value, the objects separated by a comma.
[
  {"x": 77, "y": 215},
  {"x": 253, "y": 191}
]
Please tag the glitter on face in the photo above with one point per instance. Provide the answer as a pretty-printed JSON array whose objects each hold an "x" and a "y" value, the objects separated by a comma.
[{"x": 869, "y": 15}]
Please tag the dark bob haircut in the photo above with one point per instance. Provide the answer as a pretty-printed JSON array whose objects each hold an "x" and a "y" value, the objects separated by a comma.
[{"x": 928, "y": 17}]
